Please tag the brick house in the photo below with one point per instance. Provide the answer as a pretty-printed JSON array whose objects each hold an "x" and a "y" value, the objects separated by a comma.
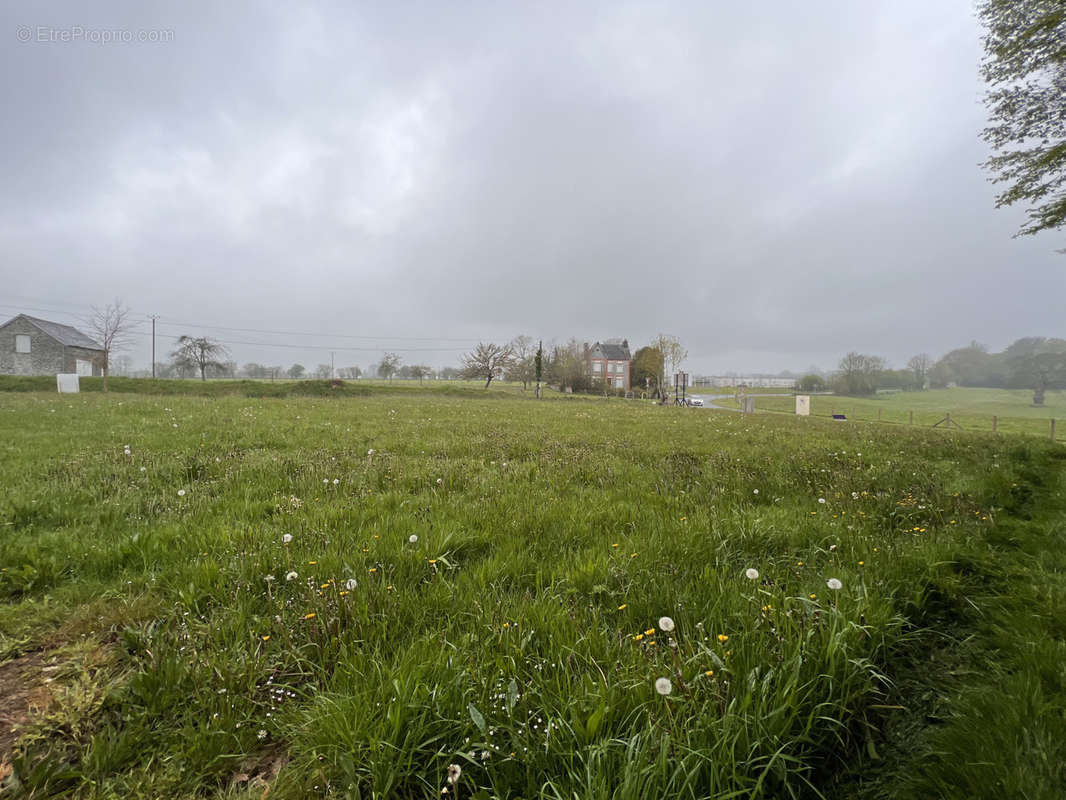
[
  {"x": 31, "y": 346},
  {"x": 608, "y": 364}
]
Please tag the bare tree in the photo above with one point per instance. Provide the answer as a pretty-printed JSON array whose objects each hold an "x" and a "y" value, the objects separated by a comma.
[
  {"x": 920, "y": 365},
  {"x": 420, "y": 371},
  {"x": 674, "y": 354},
  {"x": 110, "y": 326},
  {"x": 858, "y": 373},
  {"x": 487, "y": 361},
  {"x": 389, "y": 365},
  {"x": 199, "y": 353},
  {"x": 523, "y": 367}
]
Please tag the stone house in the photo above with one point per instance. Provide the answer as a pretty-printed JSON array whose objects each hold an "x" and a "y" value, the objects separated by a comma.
[
  {"x": 608, "y": 364},
  {"x": 32, "y": 346}
]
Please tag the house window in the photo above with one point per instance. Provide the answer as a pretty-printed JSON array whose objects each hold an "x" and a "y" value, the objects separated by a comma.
[
  {"x": 22, "y": 343},
  {"x": 597, "y": 366}
]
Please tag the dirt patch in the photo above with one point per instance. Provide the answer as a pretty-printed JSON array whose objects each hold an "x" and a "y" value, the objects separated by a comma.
[
  {"x": 22, "y": 691},
  {"x": 258, "y": 771}
]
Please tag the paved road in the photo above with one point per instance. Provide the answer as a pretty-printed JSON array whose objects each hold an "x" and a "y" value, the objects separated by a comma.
[{"x": 708, "y": 399}]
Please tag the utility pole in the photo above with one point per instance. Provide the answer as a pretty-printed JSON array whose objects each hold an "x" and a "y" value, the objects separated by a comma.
[
  {"x": 154, "y": 318},
  {"x": 332, "y": 369}
]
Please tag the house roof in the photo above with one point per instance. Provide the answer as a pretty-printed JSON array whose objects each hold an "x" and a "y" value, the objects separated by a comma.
[
  {"x": 614, "y": 349},
  {"x": 64, "y": 334}
]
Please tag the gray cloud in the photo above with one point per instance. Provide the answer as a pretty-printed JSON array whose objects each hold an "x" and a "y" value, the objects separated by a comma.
[{"x": 775, "y": 188}]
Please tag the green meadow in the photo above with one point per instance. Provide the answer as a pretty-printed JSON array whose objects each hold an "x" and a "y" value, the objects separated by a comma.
[
  {"x": 343, "y": 594},
  {"x": 972, "y": 409}
]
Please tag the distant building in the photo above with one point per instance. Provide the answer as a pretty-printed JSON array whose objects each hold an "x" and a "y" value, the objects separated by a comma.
[
  {"x": 761, "y": 381},
  {"x": 608, "y": 364},
  {"x": 32, "y": 346}
]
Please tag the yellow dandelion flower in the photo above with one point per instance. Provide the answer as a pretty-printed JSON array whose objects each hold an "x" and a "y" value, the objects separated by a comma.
[
  {"x": 265, "y": 638},
  {"x": 651, "y": 642},
  {"x": 433, "y": 561},
  {"x": 813, "y": 596},
  {"x": 632, "y": 555},
  {"x": 649, "y": 631},
  {"x": 638, "y": 637},
  {"x": 312, "y": 563},
  {"x": 799, "y": 563},
  {"x": 862, "y": 563},
  {"x": 709, "y": 673},
  {"x": 344, "y": 594},
  {"x": 373, "y": 569},
  {"x": 324, "y": 586},
  {"x": 615, "y": 544},
  {"x": 622, "y": 607},
  {"x": 312, "y": 615},
  {"x": 390, "y": 587},
  {"x": 723, "y": 638}
]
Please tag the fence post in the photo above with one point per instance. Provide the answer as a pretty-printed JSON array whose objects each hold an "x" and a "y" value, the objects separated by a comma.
[
  {"x": 912, "y": 418},
  {"x": 995, "y": 423},
  {"x": 878, "y": 415},
  {"x": 1052, "y": 430}
]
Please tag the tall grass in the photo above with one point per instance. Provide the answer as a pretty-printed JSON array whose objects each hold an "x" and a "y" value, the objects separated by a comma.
[{"x": 480, "y": 582}]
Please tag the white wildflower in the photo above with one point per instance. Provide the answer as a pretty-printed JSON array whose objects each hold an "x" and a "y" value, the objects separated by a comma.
[
  {"x": 370, "y": 452},
  {"x": 834, "y": 584},
  {"x": 350, "y": 584},
  {"x": 751, "y": 574},
  {"x": 291, "y": 576},
  {"x": 268, "y": 578},
  {"x": 821, "y": 500},
  {"x": 412, "y": 538},
  {"x": 336, "y": 481},
  {"x": 754, "y": 491},
  {"x": 663, "y": 686},
  {"x": 286, "y": 538},
  {"x": 181, "y": 492},
  {"x": 454, "y": 771}
]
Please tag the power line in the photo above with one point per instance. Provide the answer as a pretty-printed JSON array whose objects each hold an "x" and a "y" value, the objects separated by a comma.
[
  {"x": 164, "y": 320},
  {"x": 348, "y": 348}
]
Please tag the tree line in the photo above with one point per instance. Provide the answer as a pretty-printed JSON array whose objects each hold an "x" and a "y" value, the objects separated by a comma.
[{"x": 1036, "y": 363}]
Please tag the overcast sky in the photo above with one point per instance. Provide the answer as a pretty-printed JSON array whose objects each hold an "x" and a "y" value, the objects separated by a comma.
[{"x": 775, "y": 184}]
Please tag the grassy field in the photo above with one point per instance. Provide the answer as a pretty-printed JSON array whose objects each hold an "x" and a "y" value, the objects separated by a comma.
[
  {"x": 973, "y": 409},
  {"x": 341, "y": 596}
]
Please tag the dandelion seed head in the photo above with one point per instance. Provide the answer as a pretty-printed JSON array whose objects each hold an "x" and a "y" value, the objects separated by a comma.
[
  {"x": 454, "y": 772},
  {"x": 663, "y": 686},
  {"x": 751, "y": 574},
  {"x": 666, "y": 624},
  {"x": 286, "y": 538},
  {"x": 412, "y": 538},
  {"x": 291, "y": 576},
  {"x": 834, "y": 584},
  {"x": 350, "y": 584},
  {"x": 181, "y": 492}
]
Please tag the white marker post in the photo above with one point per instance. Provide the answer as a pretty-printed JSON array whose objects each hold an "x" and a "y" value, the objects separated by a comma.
[{"x": 67, "y": 382}]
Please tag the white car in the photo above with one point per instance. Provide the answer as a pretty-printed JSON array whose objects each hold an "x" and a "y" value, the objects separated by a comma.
[{"x": 696, "y": 401}]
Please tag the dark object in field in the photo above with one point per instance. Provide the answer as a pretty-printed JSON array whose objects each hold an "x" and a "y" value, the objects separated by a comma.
[{"x": 840, "y": 417}]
